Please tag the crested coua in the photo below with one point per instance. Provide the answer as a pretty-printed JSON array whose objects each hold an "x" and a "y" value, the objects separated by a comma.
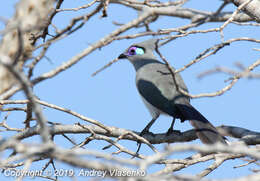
[{"x": 160, "y": 94}]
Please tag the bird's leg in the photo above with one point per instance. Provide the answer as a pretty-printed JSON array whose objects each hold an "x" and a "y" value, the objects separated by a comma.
[
  {"x": 145, "y": 131},
  {"x": 170, "y": 130},
  {"x": 148, "y": 126}
]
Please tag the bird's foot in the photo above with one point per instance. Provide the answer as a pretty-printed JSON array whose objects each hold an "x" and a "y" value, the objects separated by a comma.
[
  {"x": 138, "y": 149},
  {"x": 143, "y": 132},
  {"x": 146, "y": 132},
  {"x": 171, "y": 131}
]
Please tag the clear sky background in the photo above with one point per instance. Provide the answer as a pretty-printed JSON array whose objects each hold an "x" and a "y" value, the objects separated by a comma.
[{"x": 111, "y": 97}]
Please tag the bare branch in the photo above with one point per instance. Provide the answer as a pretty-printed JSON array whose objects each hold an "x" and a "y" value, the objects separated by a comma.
[
  {"x": 251, "y": 9},
  {"x": 26, "y": 86},
  {"x": 24, "y": 20}
]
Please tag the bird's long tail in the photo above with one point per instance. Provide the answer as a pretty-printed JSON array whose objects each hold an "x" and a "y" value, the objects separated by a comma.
[{"x": 205, "y": 131}]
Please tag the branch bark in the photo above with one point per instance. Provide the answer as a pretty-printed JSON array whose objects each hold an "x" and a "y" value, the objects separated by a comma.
[
  {"x": 30, "y": 18},
  {"x": 252, "y": 9}
]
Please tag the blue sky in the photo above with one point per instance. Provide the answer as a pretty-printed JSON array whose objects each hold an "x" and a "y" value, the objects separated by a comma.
[{"x": 111, "y": 96}]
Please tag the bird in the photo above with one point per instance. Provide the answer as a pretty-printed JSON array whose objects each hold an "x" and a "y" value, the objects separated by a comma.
[{"x": 160, "y": 92}]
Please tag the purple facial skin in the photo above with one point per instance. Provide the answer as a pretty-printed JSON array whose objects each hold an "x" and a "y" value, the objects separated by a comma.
[{"x": 131, "y": 51}]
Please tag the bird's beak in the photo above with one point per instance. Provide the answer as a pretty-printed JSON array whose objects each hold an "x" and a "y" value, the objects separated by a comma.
[{"x": 122, "y": 55}]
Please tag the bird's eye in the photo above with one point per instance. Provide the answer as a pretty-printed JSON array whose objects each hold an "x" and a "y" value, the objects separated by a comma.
[
  {"x": 131, "y": 51},
  {"x": 135, "y": 51}
]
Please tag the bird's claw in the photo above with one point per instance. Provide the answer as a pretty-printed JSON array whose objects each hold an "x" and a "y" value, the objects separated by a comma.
[
  {"x": 146, "y": 132},
  {"x": 143, "y": 132},
  {"x": 171, "y": 131}
]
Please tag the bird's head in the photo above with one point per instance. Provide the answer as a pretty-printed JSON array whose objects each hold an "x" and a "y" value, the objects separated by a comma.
[{"x": 140, "y": 51}]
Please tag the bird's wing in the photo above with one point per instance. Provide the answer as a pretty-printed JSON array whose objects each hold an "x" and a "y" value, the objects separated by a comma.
[
  {"x": 154, "y": 96},
  {"x": 155, "y": 84}
]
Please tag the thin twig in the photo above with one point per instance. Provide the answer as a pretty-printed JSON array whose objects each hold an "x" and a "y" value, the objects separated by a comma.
[{"x": 104, "y": 67}]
